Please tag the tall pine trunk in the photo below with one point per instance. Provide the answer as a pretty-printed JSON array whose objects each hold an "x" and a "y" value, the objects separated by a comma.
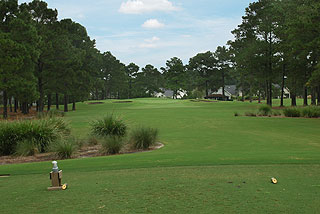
[
  {"x": 207, "y": 90},
  {"x": 49, "y": 101},
  {"x": 40, "y": 88},
  {"x": 282, "y": 85},
  {"x": 293, "y": 99},
  {"x": 305, "y": 96},
  {"x": 57, "y": 101},
  {"x": 10, "y": 104},
  {"x": 5, "y": 104},
  {"x": 318, "y": 96},
  {"x": 223, "y": 86},
  {"x": 313, "y": 97},
  {"x": 65, "y": 103},
  {"x": 73, "y": 104},
  {"x": 15, "y": 105}
]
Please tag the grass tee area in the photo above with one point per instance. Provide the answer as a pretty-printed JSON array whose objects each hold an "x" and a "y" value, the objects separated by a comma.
[{"x": 212, "y": 162}]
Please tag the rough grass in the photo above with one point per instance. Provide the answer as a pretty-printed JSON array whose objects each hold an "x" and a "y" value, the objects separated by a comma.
[{"x": 208, "y": 154}]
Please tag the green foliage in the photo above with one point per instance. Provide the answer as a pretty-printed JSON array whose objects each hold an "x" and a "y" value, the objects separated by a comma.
[
  {"x": 41, "y": 132},
  {"x": 311, "y": 112},
  {"x": 50, "y": 114},
  {"x": 64, "y": 148},
  {"x": 109, "y": 126},
  {"x": 143, "y": 137},
  {"x": 265, "y": 110},
  {"x": 27, "y": 148},
  {"x": 250, "y": 114},
  {"x": 112, "y": 145},
  {"x": 292, "y": 112},
  {"x": 92, "y": 141}
]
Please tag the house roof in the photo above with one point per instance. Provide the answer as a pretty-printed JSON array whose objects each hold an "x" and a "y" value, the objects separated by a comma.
[{"x": 232, "y": 89}]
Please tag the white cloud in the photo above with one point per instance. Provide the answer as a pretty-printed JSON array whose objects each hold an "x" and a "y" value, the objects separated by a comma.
[
  {"x": 152, "y": 23},
  {"x": 150, "y": 43},
  {"x": 153, "y": 39},
  {"x": 146, "y": 6}
]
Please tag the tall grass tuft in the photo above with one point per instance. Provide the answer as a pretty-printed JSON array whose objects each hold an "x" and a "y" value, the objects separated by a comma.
[
  {"x": 64, "y": 148},
  {"x": 291, "y": 112},
  {"x": 41, "y": 132},
  {"x": 143, "y": 137},
  {"x": 27, "y": 148},
  {"x": 311, "y": 112},
  {"x": 109, "y": 126},
  {"x": 265, "y": 110},
  {"x": 112, "y": 145}
]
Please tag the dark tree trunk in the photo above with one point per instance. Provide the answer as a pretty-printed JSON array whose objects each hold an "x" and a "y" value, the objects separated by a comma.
[
  {"x": 130, "y": 88},
  {"x": 65, "y": 103},
  {"x": 223, "y": 86},
  {"x": 73, "y": 104},
  {"x": 282, "y": 85},
  {"x": 259, "y": 98},
  {"x": 10, "y": 104},
  {"x": 49, "y": 101},
  {"x": 37, "y": 106},
  {"x": 270, "y": 93},
  {"x": 25, "y": 108},
  {"x": 305, "y": 96},
  {"x": 293, "y": 100},
  {"x": 318, "y": 96},
  {"x": 40, "y": 88},
  {"x": 313, "y": 97},
  {"x": 5, "y": 105},
  {"x": 207, "y": 90},
  {"x": 57, "y": 101},
  {"x": 15, "y": 105}
]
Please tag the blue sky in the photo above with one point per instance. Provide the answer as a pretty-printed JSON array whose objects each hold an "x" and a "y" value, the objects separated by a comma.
[{"x": 153, "y": 31}]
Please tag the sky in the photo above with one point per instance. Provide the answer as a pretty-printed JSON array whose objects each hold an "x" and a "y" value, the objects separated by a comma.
[{"x": 153, "y": 31}]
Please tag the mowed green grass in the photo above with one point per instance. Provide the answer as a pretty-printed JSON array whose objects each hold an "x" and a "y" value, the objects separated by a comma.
[{"x": 212, "y": 162}]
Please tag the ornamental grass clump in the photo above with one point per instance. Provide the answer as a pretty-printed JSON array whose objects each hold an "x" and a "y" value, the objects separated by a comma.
[
  {"x": 64, "y": 148},
  {"x": 265, "y": 110},
  {"x": 27, "y": 148},
  {"x": 311, "y": 112},
  {"x": 109, "y": 126},
  {"x": 41, "y": 132},
  {"x": 292, "y": 112},
  {"x": 143, "y": 137},
  {"x": 112, "y": 145}
]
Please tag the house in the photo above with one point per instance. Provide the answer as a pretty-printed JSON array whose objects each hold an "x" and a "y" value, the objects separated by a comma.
[
  {"x": 229, "y": 92},
  {"x": 169, "y": 94}
]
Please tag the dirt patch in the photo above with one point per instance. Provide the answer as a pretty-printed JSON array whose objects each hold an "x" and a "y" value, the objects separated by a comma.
[
  {"x": 95, "y": 103},
  {"x": 122, "y": 102},
  {"x": 85, "y": 152},
  {"x": 205, "y": 101}
]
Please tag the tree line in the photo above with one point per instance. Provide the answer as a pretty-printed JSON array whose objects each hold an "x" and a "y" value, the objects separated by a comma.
[{"x": 51, "y": 62}]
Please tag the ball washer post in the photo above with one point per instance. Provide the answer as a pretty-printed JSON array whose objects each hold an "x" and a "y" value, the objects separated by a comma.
[{"x": 56, "y": 178}]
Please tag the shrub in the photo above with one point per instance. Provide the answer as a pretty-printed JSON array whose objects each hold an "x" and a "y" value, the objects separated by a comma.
[
  {"x": 92, "y": 141},
  {"x": 143, "y": 137},
  {"x": 311, "y": 112},
  {"x": 265, "y": 110},
  {"x": 236, "y": 114},
  {"x": 276, "y": 113},
  {"x": 109, "y": 126},
  {"x": 291, "y": 112},
  {"x": 50, "y": 114},
  {"x": 64, "y": 148},
  {"x": 112, "y": 145},
  {"x": 41, "y": 132},
  {"x": 27, "y": 148},
  {"x": 250, "y": 114}
]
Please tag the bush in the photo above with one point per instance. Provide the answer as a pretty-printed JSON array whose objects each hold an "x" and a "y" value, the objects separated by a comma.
[
  {"x": 250, "y": 114},
  {"x": 109, "y": 126},
  {"x": 143, "y": 137},
  {"x": 92, "y": 141},
  {"x": 276, "y": 113},
  {"x": 50, "y": 114},
  {"x": 311, "y": 112},
  {"x": 265, "y": 110},
  {"x": 41, "y": 132},
  {"x": 291, "y": 112},
  {"x": 27, "y": 148},
  {"x": 236, "y": 114},
  {"x": 64, "y": 148},
  {"x": 112, "y": 145}
]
